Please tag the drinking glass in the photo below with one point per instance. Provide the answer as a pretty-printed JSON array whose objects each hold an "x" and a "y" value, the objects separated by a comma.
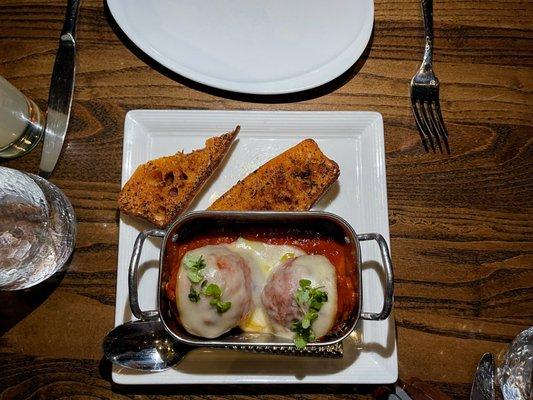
[
  {"x": 516, "y": 373},
  {"x": 37, "y": 229},
  {"x": 21, "y": 122}
]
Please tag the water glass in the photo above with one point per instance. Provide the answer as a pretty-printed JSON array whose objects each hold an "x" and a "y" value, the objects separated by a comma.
[
  {"x": 516, "y": 373},
  {"x": 37, "y": 229},
  {"x": 21, "y": 122}
]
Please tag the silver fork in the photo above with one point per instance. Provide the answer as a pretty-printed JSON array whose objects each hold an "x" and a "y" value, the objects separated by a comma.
[{"x": 425, "y": 92}]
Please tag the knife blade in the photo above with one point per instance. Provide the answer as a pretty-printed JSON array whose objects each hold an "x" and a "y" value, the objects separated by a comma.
[
  {"x": 483, "y": 385},
  {"x": 61, "y": 91}
]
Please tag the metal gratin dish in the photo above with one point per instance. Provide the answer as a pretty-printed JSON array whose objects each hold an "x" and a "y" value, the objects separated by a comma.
[{"x": 322, "y": 222}]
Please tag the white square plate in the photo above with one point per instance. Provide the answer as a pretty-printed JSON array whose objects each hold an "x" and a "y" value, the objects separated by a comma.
[{"x": 355, "y": 141}]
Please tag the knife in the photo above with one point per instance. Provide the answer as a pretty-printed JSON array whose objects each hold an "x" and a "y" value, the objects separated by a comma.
[
  {"x": 61, "y": 91},
  {"x": 483, "y": 385}
]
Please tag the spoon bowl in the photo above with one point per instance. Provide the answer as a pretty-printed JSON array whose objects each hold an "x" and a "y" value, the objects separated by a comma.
[{"x": 143, "y": 345}]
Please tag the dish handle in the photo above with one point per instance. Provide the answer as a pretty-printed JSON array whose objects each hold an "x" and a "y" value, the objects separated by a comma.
[
  {"x": 389, "y": 277},
  {"x": 133, "y": 275}
]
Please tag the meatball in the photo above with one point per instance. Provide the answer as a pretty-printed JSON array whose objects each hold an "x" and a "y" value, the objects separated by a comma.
[
  {"x": 278, "y": 295},
  {"x": 225, "y": 269}
]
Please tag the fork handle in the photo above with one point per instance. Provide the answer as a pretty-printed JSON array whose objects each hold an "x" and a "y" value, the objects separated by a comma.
[{"x": 427, "y": 12}]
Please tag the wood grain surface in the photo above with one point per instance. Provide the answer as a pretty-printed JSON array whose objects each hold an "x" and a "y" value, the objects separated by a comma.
[{"x": 461, "y": 225}]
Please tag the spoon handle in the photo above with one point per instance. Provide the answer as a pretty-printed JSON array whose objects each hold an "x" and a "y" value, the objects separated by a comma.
[{"x": 330, "y": 351}]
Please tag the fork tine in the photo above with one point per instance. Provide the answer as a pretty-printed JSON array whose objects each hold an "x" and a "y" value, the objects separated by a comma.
[
  {"x": 421, "y": 128},
  {"x": 442, "y": 127},
  {"x": 420, "y": 131},
  {"x": 424, "y": 124},
  {"x": 434, "y": 120},
  {"x": 433, "y": 131}
]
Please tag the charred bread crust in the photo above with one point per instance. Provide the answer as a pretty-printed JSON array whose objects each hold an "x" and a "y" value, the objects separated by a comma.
[
  {"x": 293, "y": 181},
  {"x": 161, "y": 189}
]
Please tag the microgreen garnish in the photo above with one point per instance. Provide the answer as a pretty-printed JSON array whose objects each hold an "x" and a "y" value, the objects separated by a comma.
[
  {"x": 195, "y": 275},
  {"x": 214, "y": 291},
  {"x": 194, "y": 263},
  {"x": 194, "y": 296},
  {"x": 310, "y": 300},
  {"x": 194, "y": 266}
]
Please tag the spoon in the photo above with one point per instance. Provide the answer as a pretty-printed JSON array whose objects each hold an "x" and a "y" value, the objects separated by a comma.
[
  {"x": 146, "y": 346},
  {"x": 143, "y": 345}
]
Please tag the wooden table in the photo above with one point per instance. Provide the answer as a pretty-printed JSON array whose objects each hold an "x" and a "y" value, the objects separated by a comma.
[{"x": 461, "y": 225}]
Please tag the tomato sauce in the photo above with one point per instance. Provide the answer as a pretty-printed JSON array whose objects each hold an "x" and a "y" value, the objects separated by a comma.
[{"x": 338, "y": 253}]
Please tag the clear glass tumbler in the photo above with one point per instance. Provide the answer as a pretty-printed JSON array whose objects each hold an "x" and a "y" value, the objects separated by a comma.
[
  {"x": 37, "y": 229},
  {"x": 21, "y": 122},
  {"x": 516, "y": 373}
]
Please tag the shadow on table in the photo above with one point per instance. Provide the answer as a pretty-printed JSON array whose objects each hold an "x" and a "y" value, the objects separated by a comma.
[
  {"x": 309, "y": 94},
  {"x": 17, "y": 305},
  {"x": 247, "y": 390}
]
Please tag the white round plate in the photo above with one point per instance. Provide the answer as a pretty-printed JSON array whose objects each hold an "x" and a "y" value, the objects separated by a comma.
[{"x": 250, "y": 46}]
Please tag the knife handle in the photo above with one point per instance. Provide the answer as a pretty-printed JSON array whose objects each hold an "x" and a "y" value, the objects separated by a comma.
[{"x": 68, "y": 33}]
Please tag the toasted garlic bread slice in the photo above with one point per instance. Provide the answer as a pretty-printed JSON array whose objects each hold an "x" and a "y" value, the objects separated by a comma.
[
  {"x": 292, "y": 181},
  {"x": 161, "y": 189}
]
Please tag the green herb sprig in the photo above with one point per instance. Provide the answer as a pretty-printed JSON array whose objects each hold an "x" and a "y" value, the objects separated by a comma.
[
  {"x": 194, "y": 295},
  {"x": 194, "y": 267},
  {"x": 310, "y": 300},
  {"x": 196, "y": 277},
  {"x": 214, "y": 291}
]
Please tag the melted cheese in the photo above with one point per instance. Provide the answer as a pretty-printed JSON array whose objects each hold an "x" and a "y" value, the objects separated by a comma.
[
  {"x": 321, "y": 273},
  {"x": 262, "y": 258},
  {"x": 231, "y": 273},
  {"x": 263, "y": 263}
]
